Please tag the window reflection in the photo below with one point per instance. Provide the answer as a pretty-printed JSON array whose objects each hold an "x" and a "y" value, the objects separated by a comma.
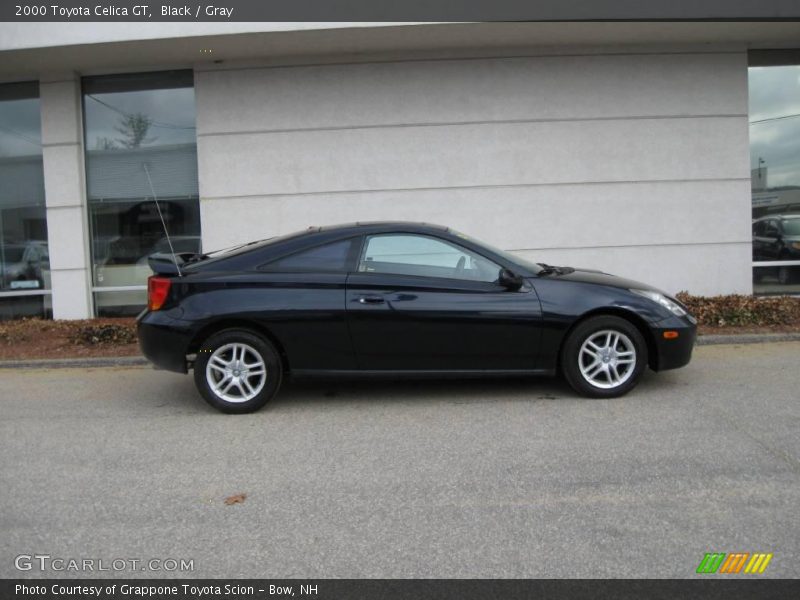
[
  {"x": 775, "y": 177},
  {"x": 24, "y": 256},
  {"x": 140, "y": 144}
]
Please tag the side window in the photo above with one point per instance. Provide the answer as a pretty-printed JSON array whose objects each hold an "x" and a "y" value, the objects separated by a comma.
[
  {"x": 328, "y": 257},
  {"x": 423, "y": 256}
]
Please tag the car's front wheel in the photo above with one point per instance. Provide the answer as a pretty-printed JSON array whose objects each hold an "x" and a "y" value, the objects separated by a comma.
[
  {"x": 604, "y": 357},
  {"x": 237, "y": 371}
]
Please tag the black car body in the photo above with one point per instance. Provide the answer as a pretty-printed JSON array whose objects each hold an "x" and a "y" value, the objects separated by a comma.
[{"x": 327, "y": 307}]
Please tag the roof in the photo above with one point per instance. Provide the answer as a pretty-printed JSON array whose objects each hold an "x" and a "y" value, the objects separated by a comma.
[{"x": 376, "y": 226}]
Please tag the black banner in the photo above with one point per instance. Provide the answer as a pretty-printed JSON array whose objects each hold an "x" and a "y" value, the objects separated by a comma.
[
  {"x": 396, "y": 10},
  {"x": 383, "y": 589}
]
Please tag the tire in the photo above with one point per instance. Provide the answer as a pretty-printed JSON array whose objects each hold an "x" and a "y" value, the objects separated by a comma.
[
  {"x": 221, "y": 380},
  {"x": 604, "y": 372}
]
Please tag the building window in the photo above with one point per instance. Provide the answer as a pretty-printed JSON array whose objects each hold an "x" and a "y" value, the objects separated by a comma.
[
  {"x": 24, "y": 257},
  {"x": 775, "y": 174},
  {"x": 141, "y": 148}
]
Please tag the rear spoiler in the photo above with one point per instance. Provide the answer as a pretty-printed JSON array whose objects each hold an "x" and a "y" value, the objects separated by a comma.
[{"x": 163, "y": 264}]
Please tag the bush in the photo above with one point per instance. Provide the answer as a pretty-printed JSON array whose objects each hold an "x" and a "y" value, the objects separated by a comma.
[
  {"x": 102, "y": 334},
  {"x": 735, "y": 310}
]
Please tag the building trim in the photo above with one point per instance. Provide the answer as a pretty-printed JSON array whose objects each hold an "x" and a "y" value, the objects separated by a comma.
[
  {"x": 470, "y": 187},
  {"x": 467, "y": 123},
  {"x": 26, "y": 293},
  {"x": 59, "y": 144},
  {"x": 621, "y": 52}
]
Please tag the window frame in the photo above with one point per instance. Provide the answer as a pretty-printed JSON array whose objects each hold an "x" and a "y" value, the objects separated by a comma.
[
  {"x": 26, "y": 90},
  {"x": 124, "y": 82},
  {"x": 779, "y": 57}
]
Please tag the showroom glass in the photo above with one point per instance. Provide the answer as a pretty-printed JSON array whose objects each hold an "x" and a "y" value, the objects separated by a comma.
[
  {"x": 139, "y": 128},
  {"x": 24, "y": 257},
  {"x": 775, "y": 177},
  {"x": 424, "y": 256}
]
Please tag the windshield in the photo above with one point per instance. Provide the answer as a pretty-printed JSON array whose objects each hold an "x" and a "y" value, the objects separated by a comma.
[
  {"x": 514, "y": 258},
  {"x": 12, "y": 254},
  {"x": 791, "y": 226}
]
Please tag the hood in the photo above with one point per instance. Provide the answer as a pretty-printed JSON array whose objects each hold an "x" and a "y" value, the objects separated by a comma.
[{"x": 599, "y": 278}]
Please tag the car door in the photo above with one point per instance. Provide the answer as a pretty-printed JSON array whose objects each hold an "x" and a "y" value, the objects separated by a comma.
[
  {"x": 300, "y": 298},
  {"x": 422, "y": 303}
]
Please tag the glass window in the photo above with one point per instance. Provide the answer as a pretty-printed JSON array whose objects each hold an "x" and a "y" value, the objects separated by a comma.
[
  {"x": 141, "y": 146},
  {"x": 329, "y": 257},
  {"x": 775, "y": 177},
  {"x": 423, "y": 256},
  {"x": 24, "y": 260}
]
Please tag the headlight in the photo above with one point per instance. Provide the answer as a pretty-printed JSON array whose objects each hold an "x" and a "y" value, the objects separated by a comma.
[{"x": 661, "y": 299}]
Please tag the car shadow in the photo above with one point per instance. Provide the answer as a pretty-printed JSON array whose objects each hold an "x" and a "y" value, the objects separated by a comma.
[{"x": 183, "y": 397}]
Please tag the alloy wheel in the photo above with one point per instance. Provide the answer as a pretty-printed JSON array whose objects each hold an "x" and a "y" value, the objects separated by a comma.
[
  {"x": 236, "y": 372},
  {"x": 607, "y": 359}
]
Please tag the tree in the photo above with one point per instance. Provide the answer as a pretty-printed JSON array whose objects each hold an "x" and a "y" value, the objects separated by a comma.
[{"x": 134, "y": 127}]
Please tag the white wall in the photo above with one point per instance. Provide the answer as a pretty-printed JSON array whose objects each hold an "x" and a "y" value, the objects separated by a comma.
[
  {"x": 65, "y": 196},
  {"x": 633, "y": 163}
]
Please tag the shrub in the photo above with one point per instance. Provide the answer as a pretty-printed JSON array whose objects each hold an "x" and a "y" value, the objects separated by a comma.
[
  {"x": 91, "y": 334},
  {"x": 736, "y": 310}
]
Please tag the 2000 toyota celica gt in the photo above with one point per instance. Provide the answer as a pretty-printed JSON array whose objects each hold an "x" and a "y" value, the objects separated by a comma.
[{"x": 399, "y": 299}]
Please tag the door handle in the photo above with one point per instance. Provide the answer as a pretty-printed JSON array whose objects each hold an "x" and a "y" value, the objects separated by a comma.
[{"x": 371, "y": 299}]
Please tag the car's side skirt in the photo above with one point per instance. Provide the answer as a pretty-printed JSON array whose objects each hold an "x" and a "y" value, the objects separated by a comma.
[{"x": 418, "y": 374}]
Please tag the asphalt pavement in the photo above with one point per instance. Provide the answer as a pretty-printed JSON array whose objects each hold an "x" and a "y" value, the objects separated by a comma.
[{"x": 517, "y": 478}]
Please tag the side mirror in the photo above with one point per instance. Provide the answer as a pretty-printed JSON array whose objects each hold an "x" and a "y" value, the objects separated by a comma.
[{"x": 509, "y": 280}]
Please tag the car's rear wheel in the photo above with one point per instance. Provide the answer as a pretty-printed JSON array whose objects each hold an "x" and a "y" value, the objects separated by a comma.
[
  {"x": 237, "y": 371},
  {"x": 604, "y": 357}
]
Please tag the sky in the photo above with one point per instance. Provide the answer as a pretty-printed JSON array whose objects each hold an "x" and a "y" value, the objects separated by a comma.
[
  {"x": 775, "y": 92},
  {"x": 172, "y": 110},
  {"x": 20, "y": 131}
]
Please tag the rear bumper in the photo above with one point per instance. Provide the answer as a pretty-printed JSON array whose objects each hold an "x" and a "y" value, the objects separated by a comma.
[
  {"x": 164, "y": 341},
  {"x": 675, "y": 352}
]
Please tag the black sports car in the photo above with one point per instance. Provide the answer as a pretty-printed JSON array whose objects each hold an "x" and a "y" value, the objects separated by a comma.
[{"x": 399, "y": 299}]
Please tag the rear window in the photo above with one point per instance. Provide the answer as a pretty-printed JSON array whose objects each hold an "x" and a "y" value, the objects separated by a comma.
[{"x": 328, "y": 257}]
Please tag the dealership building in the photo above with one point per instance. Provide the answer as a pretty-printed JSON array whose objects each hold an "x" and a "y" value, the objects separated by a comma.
[{"x": 644, "y": 149}]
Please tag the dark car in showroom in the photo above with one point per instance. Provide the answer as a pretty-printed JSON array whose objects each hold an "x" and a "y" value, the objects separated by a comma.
[
  {"x": 777, "y": 238},
  {"x": 399, "y": 300}
]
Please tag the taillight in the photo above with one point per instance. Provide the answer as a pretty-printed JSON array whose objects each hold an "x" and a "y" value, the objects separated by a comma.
[{"x": 157, "y": 291}]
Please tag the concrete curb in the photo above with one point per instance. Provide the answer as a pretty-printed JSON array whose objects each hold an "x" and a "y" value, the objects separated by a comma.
[
  {"x": 140, "y": 361},
  {"x": 65, "y": 363},
  {"x": 747, "y": 338}
]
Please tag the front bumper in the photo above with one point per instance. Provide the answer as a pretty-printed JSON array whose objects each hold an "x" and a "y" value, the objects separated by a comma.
[
  {"x": 673, "y": 352},
  {"x": 164, "y": 340}
]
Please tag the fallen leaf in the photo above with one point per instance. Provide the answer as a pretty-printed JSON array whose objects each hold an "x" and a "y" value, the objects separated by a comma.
[{"x": 235, "y": 499}]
